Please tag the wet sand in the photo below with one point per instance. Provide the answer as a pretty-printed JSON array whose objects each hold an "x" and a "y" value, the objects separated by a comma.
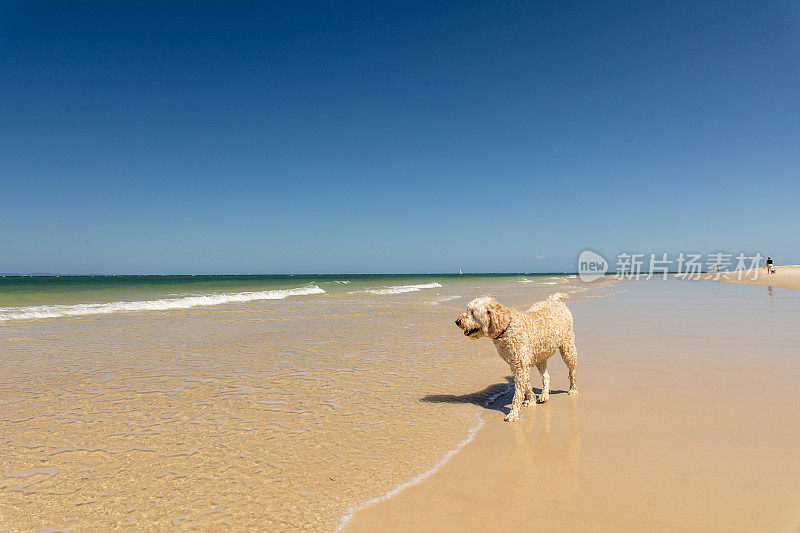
[{"x": 688, "y": 419}]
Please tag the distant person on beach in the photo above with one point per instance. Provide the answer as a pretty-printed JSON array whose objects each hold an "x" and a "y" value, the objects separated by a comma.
[{"x": 770, "y": 266}]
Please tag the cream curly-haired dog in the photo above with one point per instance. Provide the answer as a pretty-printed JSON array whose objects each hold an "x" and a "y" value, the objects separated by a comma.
[{"x": 525, "y": 339}]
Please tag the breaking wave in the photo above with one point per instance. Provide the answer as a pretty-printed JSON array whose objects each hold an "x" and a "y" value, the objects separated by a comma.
[
  {"x": 399, "y": 289},
  {"x": 164, "y": 304}
]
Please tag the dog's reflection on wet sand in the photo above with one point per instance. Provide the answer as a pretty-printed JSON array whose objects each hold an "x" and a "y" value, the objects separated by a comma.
[
  {"x": 544, "y": 458},
  {"x": 543, "y": 452}
]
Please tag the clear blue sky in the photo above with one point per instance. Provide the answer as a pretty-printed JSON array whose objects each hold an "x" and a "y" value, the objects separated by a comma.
[{"x": 196, "y": 137}]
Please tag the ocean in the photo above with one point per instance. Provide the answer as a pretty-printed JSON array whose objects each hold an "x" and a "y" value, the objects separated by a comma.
[{"x": 37, "y": 297}]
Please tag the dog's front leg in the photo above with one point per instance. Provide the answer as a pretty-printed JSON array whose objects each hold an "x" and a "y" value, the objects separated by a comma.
[
  {"x": 530, "y": 397},
  {"x": 519, "y": 395}
]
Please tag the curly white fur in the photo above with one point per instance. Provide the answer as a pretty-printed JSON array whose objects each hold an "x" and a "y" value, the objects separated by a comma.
[{"x": 525, "y": 339}]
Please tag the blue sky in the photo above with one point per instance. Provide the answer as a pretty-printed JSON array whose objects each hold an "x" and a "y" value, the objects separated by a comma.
[{"x": 407, "y": 137}]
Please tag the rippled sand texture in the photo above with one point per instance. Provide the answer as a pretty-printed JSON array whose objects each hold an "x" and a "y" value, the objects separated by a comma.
[{"x": 268, "y": 414}]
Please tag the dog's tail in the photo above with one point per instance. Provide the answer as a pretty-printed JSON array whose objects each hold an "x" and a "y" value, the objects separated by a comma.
[{"x": 558, "y": 296}]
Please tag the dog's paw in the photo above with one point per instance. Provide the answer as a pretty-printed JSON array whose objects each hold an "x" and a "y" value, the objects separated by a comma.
[
  {"x": 543, "y": 399},
  {"x": 511, "y": 417},
  {"x": 529, "y": 402},
  {"x": 573, "y": 392}
]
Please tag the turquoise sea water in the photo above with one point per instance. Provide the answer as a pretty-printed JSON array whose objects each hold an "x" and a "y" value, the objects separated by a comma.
[{"x": 37, "y": 297}]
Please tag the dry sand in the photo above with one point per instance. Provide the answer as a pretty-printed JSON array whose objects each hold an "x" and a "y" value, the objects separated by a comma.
[
  {"x": 787, "y": 276},
  {"x": 688, "y": 419}
]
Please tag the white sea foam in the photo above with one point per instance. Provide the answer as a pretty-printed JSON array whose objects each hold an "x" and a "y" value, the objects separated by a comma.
[
  {"x": 344, "y": 520},
  {"x": 399, "y": 289},
  {"x": 413, "y": 481},
  {"x": 164, "y": 304},
  {"x": 552, "y": 280},
  {"x": 443, "y": 299}
]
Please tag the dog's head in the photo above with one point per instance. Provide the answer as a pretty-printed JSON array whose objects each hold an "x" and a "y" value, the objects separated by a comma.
[{"x": 484, "y": 317}]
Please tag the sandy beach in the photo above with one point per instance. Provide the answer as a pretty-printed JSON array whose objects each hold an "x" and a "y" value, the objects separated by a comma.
[
  {"x": 787, "y": 276},
  {"x": 688, "y": 419},
  {"x": 359, "y": 405}
]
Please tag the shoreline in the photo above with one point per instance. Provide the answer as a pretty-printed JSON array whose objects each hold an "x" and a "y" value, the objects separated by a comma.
[
  {"x": 651, "y": 448},
  {"x": 472, "y": 433},
  {"x": 345, "y": 520},
  {"x": 422, "y": 476}
]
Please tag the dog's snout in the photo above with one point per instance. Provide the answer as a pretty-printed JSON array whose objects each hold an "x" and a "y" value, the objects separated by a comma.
[{"x": 458, "y": 322}]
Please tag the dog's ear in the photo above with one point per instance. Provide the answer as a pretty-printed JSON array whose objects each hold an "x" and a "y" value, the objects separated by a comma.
[{"x": 499, "y": 318}]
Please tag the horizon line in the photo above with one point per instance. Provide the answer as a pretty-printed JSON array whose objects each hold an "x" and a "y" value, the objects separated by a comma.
[{"x": 54, "y": 274}]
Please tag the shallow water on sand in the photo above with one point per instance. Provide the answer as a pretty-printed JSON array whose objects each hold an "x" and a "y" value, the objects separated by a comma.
[{"x": 264, "y": 413}]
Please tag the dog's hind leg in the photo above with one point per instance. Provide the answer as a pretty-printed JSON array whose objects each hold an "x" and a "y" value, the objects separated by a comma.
[
  {"x": 569, "y": 353},
  {"x": 545, "y": 395}
]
